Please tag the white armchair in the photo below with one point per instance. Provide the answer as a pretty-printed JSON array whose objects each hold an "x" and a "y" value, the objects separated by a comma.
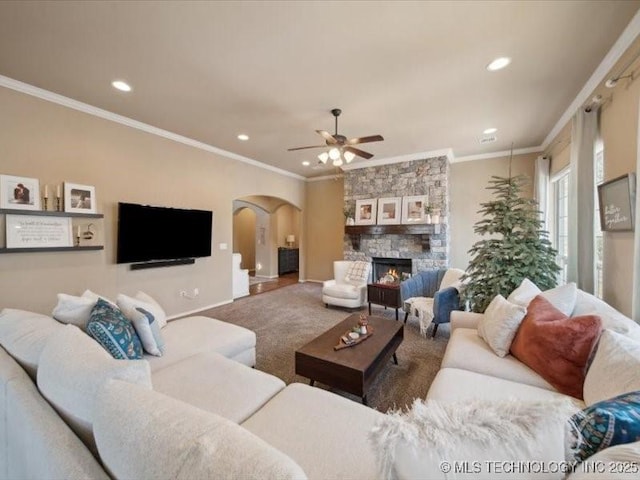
[{"x": 349, "y": 285}]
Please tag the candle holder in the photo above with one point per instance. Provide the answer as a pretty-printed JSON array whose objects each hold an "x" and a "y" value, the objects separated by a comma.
[
  {"x": 77, "y": 241},
  {"x": 45, "y": 201},
  {"x": 57, "y": 204}
]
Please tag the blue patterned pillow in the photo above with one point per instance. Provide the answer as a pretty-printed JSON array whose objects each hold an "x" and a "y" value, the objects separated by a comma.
[
  {"x": 114, "y": 332},
  {"x": 611, "y": 422}
]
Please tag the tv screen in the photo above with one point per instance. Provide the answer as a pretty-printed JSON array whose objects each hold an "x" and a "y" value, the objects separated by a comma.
[{"x": 147, "y": 233}]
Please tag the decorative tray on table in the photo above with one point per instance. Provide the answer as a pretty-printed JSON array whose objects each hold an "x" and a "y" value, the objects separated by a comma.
[{"x": 347, "y": 340}]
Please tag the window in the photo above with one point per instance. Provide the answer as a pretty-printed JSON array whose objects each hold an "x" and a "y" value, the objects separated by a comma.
[
  {"x": 560, "y": 223},
  {"x": 598, "y": 242}
]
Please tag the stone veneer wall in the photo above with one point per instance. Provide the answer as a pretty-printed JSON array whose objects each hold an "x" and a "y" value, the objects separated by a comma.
[{"x": 419, "y": 177}]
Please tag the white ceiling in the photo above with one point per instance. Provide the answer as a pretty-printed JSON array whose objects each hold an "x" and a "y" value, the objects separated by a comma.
[{"x": 413, "y": 72}]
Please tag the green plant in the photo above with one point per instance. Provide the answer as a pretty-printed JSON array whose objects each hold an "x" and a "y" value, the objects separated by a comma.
[
  {"x": 428, "y": 209},
  {"x": 347, "y": 212},
  {"x": 518, "y": 246}
]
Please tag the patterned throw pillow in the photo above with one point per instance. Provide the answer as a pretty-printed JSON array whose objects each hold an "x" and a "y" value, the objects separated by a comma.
[
  {"x": 358, "y": 272},
  {"x": 149, "y": 331},
  {"x": 611, "y": 422},
  {"x": 114, "y": 332}
]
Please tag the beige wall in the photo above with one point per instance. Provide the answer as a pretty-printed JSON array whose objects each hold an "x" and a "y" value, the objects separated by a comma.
[
  {"x": 55, "y": 144},
  {"x": 468, "y": 182},
  {"x": 619, "y": 132},
  {"x": 244, "y": 237},
  {"x": 324, "y": 229},
  {"x": 286, "y": 218}
]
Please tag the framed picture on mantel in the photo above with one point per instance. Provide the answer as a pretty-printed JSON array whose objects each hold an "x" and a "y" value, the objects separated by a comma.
[
  {"x": 413, "y": 209},
  {"x": 389, "y": 211},
  {"x": 366, "y": 211}
]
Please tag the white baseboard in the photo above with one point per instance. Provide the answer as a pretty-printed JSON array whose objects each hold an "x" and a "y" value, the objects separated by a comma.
[
  {"x": 314, "y": 281},
  {"x": 191, "y": 312}
]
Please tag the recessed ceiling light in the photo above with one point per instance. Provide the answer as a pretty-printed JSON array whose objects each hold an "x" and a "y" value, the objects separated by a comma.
[
  {"x": 489, "y": 131},
  {"x": 121, "y": 85},
  {"x": 306, "y": 163},
  {"x": 243, "y": 136},
  {"x": 498, "y": 64}
]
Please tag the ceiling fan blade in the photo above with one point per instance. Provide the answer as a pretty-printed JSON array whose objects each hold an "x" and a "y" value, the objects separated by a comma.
[
  {"x": 304, "y": 148},
  {"x": 358, "y": 152},
  {"x": 372, "y": 138},
  {"x": 331, "y": 140}
]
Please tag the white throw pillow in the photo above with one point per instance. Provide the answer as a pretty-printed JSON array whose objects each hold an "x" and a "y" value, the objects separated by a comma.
[
  {"x": 614, "y": 370},
  {"x": 358, "y": 272},
  {"x": 72, "y": 368},
  {"x": 24, "y": 334},
  {"x": 451, "y": 278},
  {"x": 144, "y": 434},
  {"x": 499, "y": 324},
  {"x": 415, "y": 444},
  {"x": 157, "y": 310},
  {"x": 148, "y": 330},
  {"x": 587, "y": 304},
  {"x": 526, "y": 291},
  {"x": 94, "y": 296},
  {"x": 74, "y": 310},
  {"x": 562, "y": 297}
]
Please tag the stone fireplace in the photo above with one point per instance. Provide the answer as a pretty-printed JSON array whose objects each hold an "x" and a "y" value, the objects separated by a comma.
[
  {"x": 426, "y": 249},
  {"x": 382, "y": 266}
]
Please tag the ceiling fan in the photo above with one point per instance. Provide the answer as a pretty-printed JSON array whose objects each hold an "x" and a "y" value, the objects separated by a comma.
[{"x": 341, "y": 148}]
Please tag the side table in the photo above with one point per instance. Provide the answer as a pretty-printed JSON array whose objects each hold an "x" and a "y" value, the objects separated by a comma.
[{"x": 384, "y": 294}]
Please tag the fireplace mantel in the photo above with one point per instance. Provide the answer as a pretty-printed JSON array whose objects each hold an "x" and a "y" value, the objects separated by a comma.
[{"x": 424, "y": 230}]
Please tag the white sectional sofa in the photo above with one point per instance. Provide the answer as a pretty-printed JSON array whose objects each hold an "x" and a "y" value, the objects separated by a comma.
[{"x": 201, "y": 412}]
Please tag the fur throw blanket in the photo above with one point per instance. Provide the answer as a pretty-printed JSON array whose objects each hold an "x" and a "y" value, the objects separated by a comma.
[{"x": 444, "y": 430}]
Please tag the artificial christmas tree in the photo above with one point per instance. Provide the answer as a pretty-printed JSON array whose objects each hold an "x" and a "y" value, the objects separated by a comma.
[{"x": 518, "y": 246}]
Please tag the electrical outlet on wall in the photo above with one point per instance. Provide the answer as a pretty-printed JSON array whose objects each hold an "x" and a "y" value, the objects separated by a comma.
[{"x": 185, "y": 294}]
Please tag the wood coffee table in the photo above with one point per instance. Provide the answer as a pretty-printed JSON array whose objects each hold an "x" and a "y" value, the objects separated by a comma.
[{"x": 352, "y": 369}]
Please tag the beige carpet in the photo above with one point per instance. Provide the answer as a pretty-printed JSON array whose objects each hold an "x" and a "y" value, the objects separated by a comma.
[{"x": 287, "y": 318}]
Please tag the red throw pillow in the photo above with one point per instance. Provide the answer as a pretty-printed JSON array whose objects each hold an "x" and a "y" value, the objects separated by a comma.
[{"x": 555, "y": 346}]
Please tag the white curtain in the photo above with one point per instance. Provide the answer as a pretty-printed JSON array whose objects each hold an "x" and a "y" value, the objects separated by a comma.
[
  {"x": 584, "y": 133},
  {"x": 635, "y": 294},
  {"x": 541, "y": 189}
]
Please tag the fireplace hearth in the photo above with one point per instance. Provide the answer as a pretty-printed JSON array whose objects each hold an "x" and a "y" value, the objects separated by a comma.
[{"x": 382, "y": 266}]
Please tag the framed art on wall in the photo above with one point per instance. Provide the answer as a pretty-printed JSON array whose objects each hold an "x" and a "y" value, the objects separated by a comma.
[
  {"x": 617, "y": 201},
  {"x": 29, "y": 231},
  {"x": 79, "y": 198},
  {"x": 366, "y": 211},
  {"x": 389, "y": 210},
  {"x": 20, "y": 193},
  {"x": 413, "y": 209}
]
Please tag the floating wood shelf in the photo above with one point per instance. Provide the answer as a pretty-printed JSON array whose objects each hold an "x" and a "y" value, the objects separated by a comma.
[
  {"x": 51, "y": 249},
  {"x": 424, "y": 230},
  {"x": 49, "y": 213}
]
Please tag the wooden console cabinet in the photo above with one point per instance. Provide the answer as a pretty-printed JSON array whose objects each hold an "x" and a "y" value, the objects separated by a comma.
[{"x": 384, "y": 294}]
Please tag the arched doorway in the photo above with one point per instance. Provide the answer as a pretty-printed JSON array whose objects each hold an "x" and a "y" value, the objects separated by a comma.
[{"x": 266, "y": 230}]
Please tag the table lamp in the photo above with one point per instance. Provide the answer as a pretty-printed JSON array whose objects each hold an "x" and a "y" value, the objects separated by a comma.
[{"x": 291, "y": 239}]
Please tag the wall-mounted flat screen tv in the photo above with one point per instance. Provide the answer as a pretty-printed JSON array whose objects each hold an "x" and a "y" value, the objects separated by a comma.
[{"x": 148, "y": 233}]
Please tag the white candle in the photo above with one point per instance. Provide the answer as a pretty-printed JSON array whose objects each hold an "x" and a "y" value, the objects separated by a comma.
[
  {"x": 46, "y": 191},
  {"x": 78, "y": 235},
  {"x": 58, "y": 191}
]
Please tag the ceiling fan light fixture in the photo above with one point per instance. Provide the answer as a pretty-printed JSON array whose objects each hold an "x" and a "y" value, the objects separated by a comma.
[
  {"x": 334, "y": 154},
  {"x": 337, "y": 162},
  {"x": 349, "y": 156},
  {"x": 323, "y": 157}
]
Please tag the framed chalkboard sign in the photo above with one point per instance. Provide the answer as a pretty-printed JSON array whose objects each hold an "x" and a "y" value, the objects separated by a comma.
[{"x": 617, "y": 202}]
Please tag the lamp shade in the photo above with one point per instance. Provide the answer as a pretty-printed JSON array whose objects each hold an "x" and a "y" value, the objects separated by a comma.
[
  {"x": 291, "y": 239},
  {"x": 334, "y": 153},
  {"x": 323, "y": 157}
]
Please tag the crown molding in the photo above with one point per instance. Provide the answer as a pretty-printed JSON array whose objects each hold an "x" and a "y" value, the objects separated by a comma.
[
  {"x": 503, "y": 153},
  {"x": 325, "y": 177},
  {"x": 444, "y": 152},
  {"x": 608, "y": 62},
  {"x": 129, "y": 122}
]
